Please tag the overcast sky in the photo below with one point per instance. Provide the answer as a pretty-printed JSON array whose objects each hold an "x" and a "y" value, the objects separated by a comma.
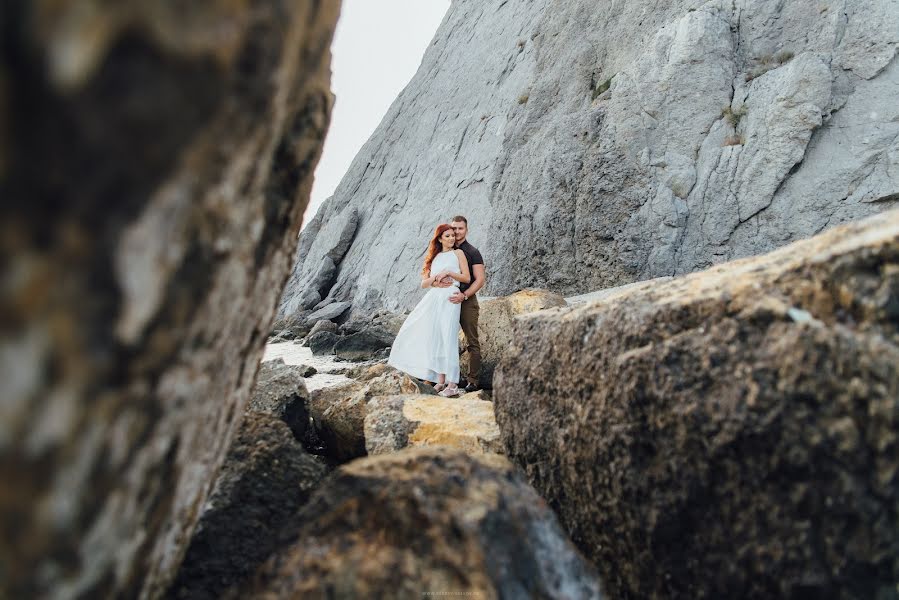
[{"x": 377, "y": 49}]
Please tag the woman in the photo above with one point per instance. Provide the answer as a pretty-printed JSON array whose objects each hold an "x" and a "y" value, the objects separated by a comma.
[{"x": 427, "y": 346}]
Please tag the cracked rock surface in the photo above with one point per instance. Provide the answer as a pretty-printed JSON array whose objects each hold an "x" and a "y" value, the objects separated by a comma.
[{"x": 594, "y": 144}]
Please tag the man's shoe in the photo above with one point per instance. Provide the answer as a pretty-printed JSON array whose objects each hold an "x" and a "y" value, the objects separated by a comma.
[{"x": 471, "y": 388}]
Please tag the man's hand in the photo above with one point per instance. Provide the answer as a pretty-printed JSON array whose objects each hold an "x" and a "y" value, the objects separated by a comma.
[{"x": 457, "y": 298}]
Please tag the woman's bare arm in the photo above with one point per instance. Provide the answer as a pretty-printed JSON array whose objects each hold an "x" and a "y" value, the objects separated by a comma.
[{"x": 464, "y": 276}]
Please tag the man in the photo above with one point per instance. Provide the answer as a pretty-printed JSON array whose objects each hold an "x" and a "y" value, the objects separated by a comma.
[{"x": 467, "y": 297}]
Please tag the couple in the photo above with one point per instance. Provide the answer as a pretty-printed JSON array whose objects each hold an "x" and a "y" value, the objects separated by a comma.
[{"x": 427, "y": 345}]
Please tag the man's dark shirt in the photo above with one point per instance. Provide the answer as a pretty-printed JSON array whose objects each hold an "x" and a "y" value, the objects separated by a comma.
[{"x": 472, "y": 257}]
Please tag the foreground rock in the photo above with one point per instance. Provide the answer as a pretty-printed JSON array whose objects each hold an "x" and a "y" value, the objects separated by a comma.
[
  {"x": 495, "y": 326},
  {"x": 396, "y": 422},
  {"x": 266, "y": 478},
  {"x": 727, "y": 434},
  {"x": 155, "y": 163},
  {"x": 426, "y": 521},
  {"x": 280, "y": 392},
  {"x": 339, "y": 412}
]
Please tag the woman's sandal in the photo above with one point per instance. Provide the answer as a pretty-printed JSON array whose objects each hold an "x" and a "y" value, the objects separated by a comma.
[
  {"x": 439, "y": 387},
  {"x": 449, "y": 392}
]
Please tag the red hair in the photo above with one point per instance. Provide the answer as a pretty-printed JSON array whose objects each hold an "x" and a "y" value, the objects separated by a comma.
[{"x": 434, "y": 248}]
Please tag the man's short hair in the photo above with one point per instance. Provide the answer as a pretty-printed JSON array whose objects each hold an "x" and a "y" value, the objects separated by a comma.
[{"x": 459, "y": 218}]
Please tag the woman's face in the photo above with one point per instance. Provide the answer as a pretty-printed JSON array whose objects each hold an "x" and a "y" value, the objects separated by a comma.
[{"x": 448, "y": 237}]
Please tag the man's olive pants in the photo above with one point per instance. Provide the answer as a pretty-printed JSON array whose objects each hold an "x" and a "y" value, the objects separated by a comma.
[{"x": 469, "y": 320}]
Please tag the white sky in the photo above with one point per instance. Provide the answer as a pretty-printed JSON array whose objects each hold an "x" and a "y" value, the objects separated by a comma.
[{"x": 377, "y": 48}]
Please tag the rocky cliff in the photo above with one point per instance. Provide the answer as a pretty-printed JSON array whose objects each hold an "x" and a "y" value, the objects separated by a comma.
[
  {"x": 155, "y": 162},
  {"x": 594, "y": 144}
]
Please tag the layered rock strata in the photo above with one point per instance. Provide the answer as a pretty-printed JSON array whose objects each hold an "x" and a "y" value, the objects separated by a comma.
[
  {"x": 155, "y": 162},
  {"x": 731, "y": 433}
]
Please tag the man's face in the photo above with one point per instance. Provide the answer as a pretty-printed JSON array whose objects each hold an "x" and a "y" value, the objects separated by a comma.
[{"x": 461, "y": 230}]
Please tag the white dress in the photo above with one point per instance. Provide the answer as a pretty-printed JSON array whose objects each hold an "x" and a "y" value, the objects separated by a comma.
[{"x": 428, "y": 342}]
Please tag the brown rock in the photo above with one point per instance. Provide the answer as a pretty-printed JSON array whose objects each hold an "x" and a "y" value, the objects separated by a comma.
[
  {"x": 495, "y": 326},
  {"x": 155, "y": 162},
  {"x": 731, "y": 433},
  {"x": 429, "y": 520},
  {"x": 339, "y": 411},
  {"x": 465, "y": 423}
]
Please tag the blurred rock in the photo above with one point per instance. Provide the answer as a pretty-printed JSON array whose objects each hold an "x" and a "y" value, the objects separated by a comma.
[
  {"x": 426, "y": 521},
  {"x": 156, "y": 159}
]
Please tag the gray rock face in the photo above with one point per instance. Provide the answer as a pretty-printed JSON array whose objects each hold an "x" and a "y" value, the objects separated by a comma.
[
  {"x": 155, "y": 162},
  {"x": 594, "y": 144}
]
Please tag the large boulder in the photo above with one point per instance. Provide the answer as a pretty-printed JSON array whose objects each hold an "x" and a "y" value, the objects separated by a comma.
[
  {"x": 727, "y": 434},
  {"x": 431, "y": 521},
  {"x": 281, "y": 393},
  {"x": 396, "y": 422},
  {"x": 338, "y": 412},
  {"x": 266, "y": 478},
  {"x": 156, "y": 159},
  {"x": 495, "y": 326}
]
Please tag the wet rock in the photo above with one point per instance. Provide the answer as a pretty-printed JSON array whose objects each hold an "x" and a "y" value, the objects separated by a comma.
[
  {"x": 495, "y": 326},
  {"x": 155, "y": 163},
  {"x": 427, "y": 521},
  {"x": 265, "y": 479},
  {"x": 281, "y": 393},
  {"x": 396, "y": 422},
  {"x": 731, "y": 433}
]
